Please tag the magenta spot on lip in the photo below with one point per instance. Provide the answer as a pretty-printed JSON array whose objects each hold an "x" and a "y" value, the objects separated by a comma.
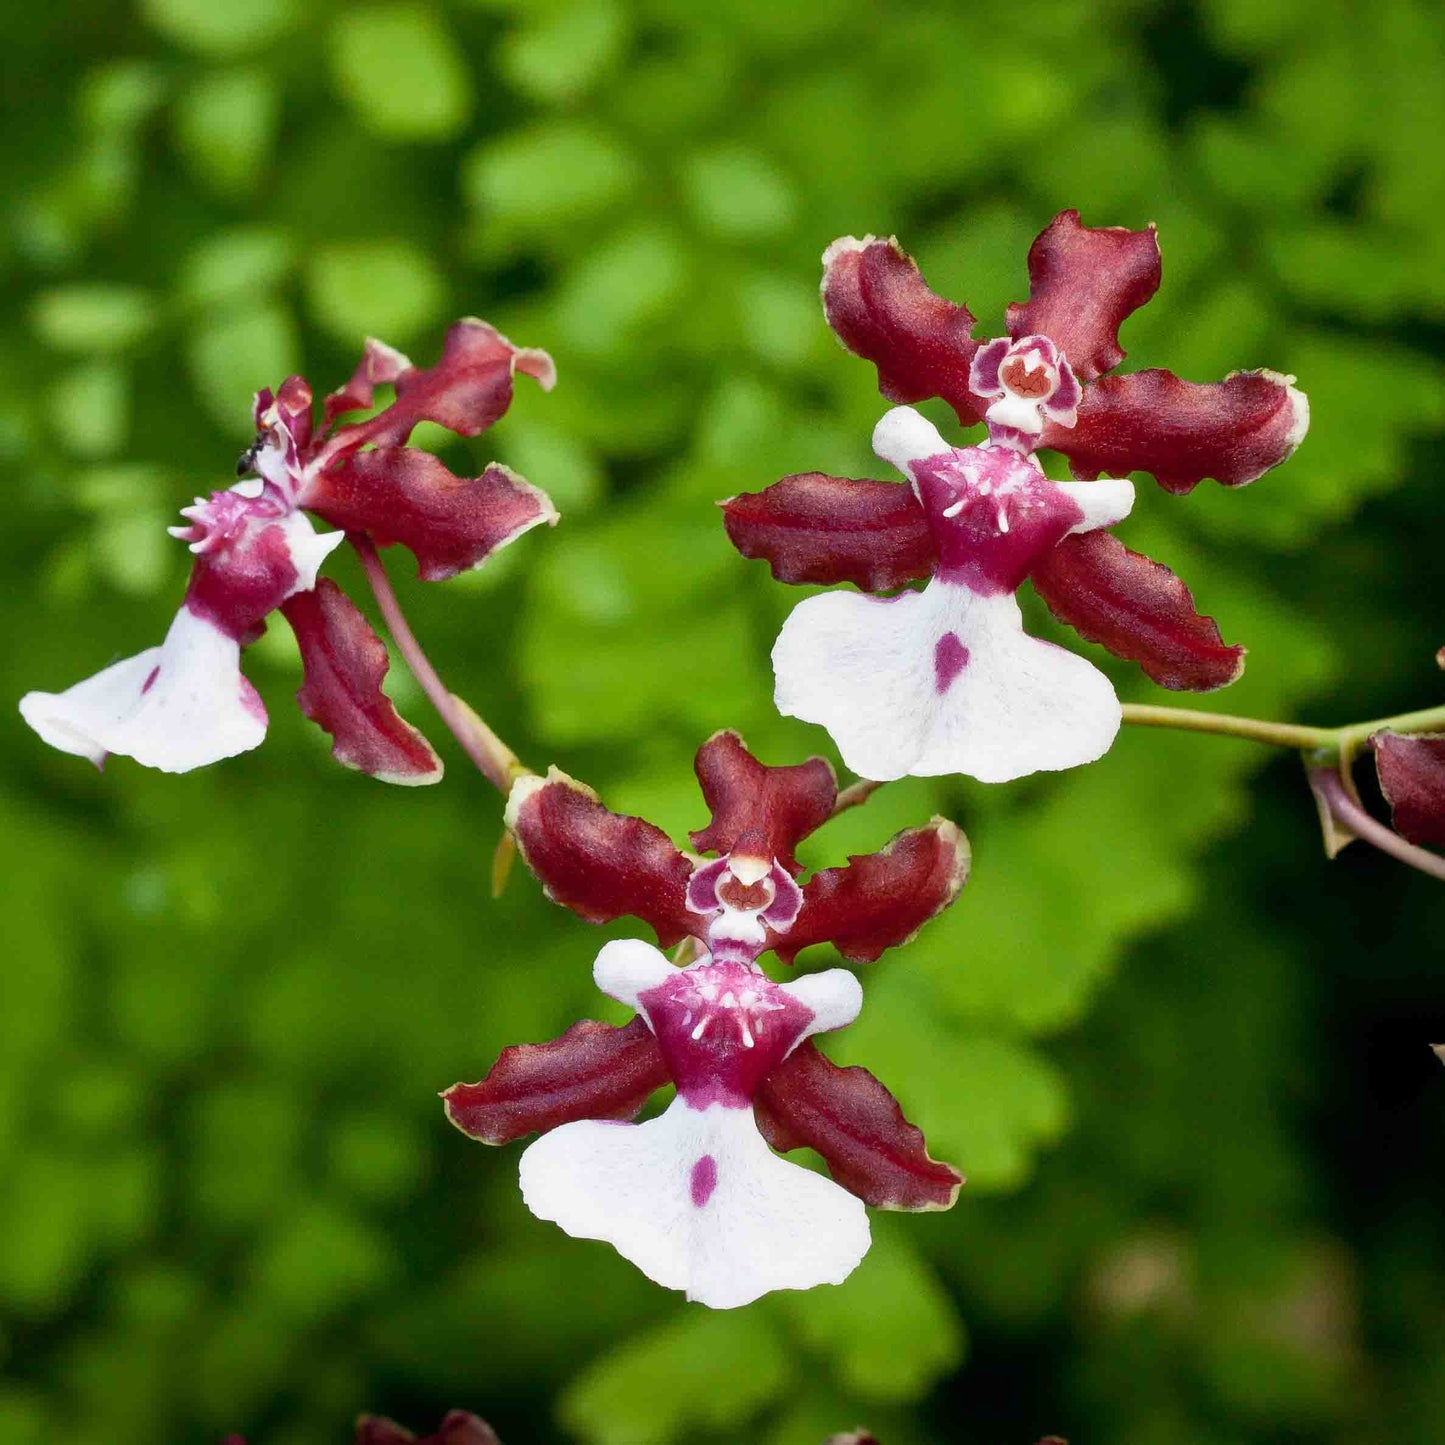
[
  {"x": 704, "y": 1180},
  {"x": 950, "y": 657},
  {"x": 150, "y": 681}
]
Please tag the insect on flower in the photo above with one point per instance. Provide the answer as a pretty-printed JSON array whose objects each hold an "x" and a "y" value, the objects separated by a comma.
[
  {"x": 695, "y": 1197},
  {"x": 186, "y": 703},
  {"x": 945, "y": 680}
]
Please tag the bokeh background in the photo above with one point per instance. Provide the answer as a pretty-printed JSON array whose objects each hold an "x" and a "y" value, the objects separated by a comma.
[{"x": 1181, "y": 1057}]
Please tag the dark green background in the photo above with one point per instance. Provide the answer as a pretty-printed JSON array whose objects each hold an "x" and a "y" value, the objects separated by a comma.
[{"x": 1181, "y": 1057}]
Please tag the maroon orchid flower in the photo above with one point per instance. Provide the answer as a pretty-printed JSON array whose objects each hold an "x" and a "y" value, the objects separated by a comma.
[
  {"x": 457, "y": 1428},
  {"x": 945, "y": 680},
  {"x": 185, "y": 703},
  {"x": 694, "y": 1197},
  {"x": 1411, "y": 768}
]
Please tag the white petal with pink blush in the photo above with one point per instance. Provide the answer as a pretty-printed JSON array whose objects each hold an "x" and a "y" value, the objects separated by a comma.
[
  {"x": 940, "y": 681},
  {"x": 174, "y": 707},
  {"x": 698, "y": 1202}
]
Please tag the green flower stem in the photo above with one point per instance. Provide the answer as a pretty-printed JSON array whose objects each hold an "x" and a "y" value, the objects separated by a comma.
[
  {"x": 497, "y": 763},
  {"x": 1256, "y": 730},
  {"x": 1359, "y": 822}
]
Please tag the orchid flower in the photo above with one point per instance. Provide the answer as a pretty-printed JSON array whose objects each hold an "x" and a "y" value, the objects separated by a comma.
[
  {"x": 186, "y": 703},
  {"x": 945, "y": 680},
  {"x": 695, "y": 1197}
]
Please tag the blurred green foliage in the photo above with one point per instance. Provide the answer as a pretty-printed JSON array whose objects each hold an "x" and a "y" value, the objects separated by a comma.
[{"x": 1180, "y": 1057}]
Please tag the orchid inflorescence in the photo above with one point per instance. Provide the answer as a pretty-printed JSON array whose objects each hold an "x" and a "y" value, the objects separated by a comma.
[{"x": 941, "y": 680}]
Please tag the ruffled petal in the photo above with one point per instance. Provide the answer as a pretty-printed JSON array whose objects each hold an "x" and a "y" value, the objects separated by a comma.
[
  {"x": 697, "y": 1201},
  {"x": 1412, "y": 777},
  {"x": 602, "y": 865},
  {"x": 849, "y": 1118},
  {"x": 882, "y": 310},
  {"x": 175, "y": 707},
  {"x": 880, "y": 900},
  {"x": 1138, "y": 609},
  {"x": 758, "y": 811},
  {"x": 1233, "y": 430},
  {"x": 380, "y": 365},
  {"x": 593, "y": 1071},
  {"x": 450, "y": 523},
  {"x": 344, "y": 664},
  {"x": 940, "y": 681},
  {"x": 1083, "y": 282},
  {"x": 815, "y": 528},
  {"x": 466, "y": 391}
]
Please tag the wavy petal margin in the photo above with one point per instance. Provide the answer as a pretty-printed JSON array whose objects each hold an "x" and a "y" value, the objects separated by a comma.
[
  {"x": 881, "y": 309},
  {"x": 880, "y": 900},
  {"x": 593, "y": 1071},
  {"x": 1138, "y": 609},
  {"x": 814, "y": 528},
  {"x": 1181, "y": 432},
  {"x": 344, "y": 664},
  {"x": 602, "y": 865},
  {"x": 1083, "y": 282},
  {"x": 1412, "y": 778},
  {"x": 760, "y": 811},
  {"x": 858, "y": 1127}
]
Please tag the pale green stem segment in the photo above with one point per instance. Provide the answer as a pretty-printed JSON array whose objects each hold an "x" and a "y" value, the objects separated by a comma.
[
  {"x": 1334, "y": 752},
  {"x": 494, "y": 759}
]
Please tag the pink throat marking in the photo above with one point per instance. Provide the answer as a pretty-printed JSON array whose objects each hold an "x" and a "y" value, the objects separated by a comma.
[
  {"x": 704, "y": 1180},
  {"x": 950, "y": 657}
]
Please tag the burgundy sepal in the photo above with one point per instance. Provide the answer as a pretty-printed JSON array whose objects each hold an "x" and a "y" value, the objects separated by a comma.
[
  {"x": 1083, "y": 282},
  {"x": 450, "y": 523},
  {"x": 1412, "y": 777},
  {"x": 858, "y": 1128},
  {"x": 880, "y": 900},
  {"x": 457, "y": 1428},
  {"x": 1138, "y": 609},
  {"x": 344, "y": 663},
  {"x": 465, "y": 392},
  {"x": 602, "y": 865},
  {"x": 758, "y": 811},
  {"x": 815, "y": 528},
  {"x": 1233, "y": 430},
  {"x": 882, "y": 310},
  {"x": 593, "y": 1071}
]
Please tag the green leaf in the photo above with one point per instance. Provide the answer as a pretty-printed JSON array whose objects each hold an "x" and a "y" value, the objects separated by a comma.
[
  {"x": 235, "y": 265},
  {"x": 703, "y": 1371},
  {"x": 388, "y": 289},
  {"x": 224, "y": 30},
  {"x": 96, "y": 317},
  {"x": 234, "y": 354},
  {"x": 400, "y": 70},
  {"x": 738, "y": 194},
  {"x": 226, "y": 127},
  {"x": 564, "y": 49},
  {"x": 89, "y": 409}
]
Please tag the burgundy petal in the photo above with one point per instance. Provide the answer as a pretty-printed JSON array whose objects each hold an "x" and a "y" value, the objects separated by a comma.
[
  {"x": 458, "y": 1428},
  {"x": 344, "y": 663},
  {"x": 380, "y": 365},
  {"x": 466, "y": 391},
  {"x": 1183, "y": 431},
  {"x": 1412, "y": 777},
  {"x": 1083, "y": 282},
  {"x": 815, "y": 528},
  {"x": 450, "y": 523},
  {"x": 601, "y": 865},
  {"x": 1138, "y": 609},
  {"x": 880, "y": 900},
  {"x": 882, "y": 310},
  {"x": 858, "y": 1128},
  {"x": 758, "y": 811},
  {"x": 594, "y": 1071}
]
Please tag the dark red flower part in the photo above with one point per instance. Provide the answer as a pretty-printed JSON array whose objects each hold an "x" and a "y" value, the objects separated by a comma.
[
  {"x": 344, "y": 663},
  {"x": 1411, "y": 767},
  {"x": 593, "y": 1071},
  {"x": 849, "y": 1118},
  {"x": 813, "y": 528},
  {"x": 758, "y": 811},
  {"x": 1138, "y": 609},
  {"x": 457, "y": 1428},
  {"x": 882, "y": 310},
  {"x": 602, "y": 865}
]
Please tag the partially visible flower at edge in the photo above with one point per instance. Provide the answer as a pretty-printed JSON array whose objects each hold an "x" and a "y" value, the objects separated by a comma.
[
  {"x": 458, "y": 1427},
  {"x": 694, "y": 1197},
  {"x": 1411, "y": 769},
  {"x": 945, "y": 680},
  {"x": 186, "y": 703}
]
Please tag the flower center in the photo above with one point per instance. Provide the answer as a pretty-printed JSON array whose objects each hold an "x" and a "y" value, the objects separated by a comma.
[{"x": 1029, "y": 376}]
